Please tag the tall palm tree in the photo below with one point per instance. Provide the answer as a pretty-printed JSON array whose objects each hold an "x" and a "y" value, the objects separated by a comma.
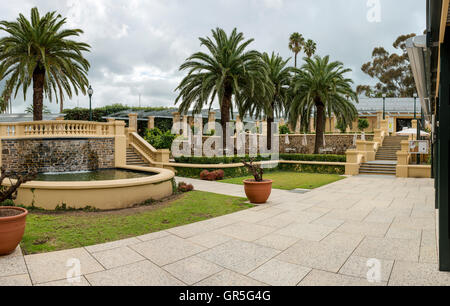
[
  {"x": 227, "y": 71},
  {"x": 296, "y": 42},
  {"x": 40, "y": 52},
  {"x": 274, "y": 104},
  {"x": 3, "y": 104},
  {"x": 322, "y": 85},
  {"x": 310, "y": 48}
]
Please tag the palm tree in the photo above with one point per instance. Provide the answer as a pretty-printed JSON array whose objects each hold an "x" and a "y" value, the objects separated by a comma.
[
  {"x": 322, "y": 85},
  {"x": 3, "y": 104},
  {"x": 228, "y": 71},
  {"x": 276, "y": 103},
  {"x": 45, "y": 110},
  {"x": 310, "y": 48},
  {"x": 296, "y": 42},
  {"x": 39, "y": 52}
]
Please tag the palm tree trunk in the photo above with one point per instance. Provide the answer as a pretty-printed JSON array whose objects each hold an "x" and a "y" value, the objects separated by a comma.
[
  {"x": 270, "y": 121},
  {"x": 296, "y": 60},
  {"x": 320, "y": 126},
  {"x": 38, "y": 93},
  {"x": 61, "y": 106},
  {"x": 225, "y": 114}
]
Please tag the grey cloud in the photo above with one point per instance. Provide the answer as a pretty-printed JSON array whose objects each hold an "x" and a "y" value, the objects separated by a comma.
[{"x": 138, "y": 45}]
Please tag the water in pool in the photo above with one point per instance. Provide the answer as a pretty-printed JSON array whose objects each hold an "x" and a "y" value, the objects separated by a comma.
[{"x": 98, "y": 175}]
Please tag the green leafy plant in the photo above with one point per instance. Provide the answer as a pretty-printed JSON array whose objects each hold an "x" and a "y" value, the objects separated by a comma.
[
  {"x": 341, "y": 126},
  {"x": 284, "y": 130},
  {"x": 363, "y": 124},
  {"x": 158, "y": 139}
]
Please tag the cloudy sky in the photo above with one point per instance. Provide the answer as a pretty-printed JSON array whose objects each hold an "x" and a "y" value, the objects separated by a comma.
[{"x": 138, "y": 45}]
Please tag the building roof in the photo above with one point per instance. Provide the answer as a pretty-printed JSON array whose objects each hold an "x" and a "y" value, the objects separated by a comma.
[
  {"x": 365, "y": 107},
  {"x": 27, "y": 117}
]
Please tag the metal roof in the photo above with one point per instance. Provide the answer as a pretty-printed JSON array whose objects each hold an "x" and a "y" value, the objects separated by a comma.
[
  {"x": 365, "y": 107},
  {"x": 26, "y": 117},
  {"x": 402, "y": 105}
]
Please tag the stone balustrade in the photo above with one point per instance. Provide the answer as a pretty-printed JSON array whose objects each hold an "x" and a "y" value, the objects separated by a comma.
[
  {"x": 58, "y": 128},
  {"x": 30, "y": 138}
]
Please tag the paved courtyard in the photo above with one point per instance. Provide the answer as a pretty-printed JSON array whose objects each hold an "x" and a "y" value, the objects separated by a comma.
[{"x": 336, "y": 235}]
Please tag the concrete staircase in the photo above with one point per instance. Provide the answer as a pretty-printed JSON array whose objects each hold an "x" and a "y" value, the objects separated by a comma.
[
  {"x": 386, "y": 158},
  {"x": 379, "y": 168},
  {"x": 134, "y": 159},
  {"x": 391, "y": 145}
]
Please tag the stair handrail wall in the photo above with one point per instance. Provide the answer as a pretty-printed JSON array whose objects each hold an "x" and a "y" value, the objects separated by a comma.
[
  {"x": 151, "y": 155},
  {"x": 366, "y": 150}
]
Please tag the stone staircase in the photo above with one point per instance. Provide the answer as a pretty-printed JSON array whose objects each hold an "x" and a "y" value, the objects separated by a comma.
[
  {"x": 134, "y": 159},
  {"x": 391, "y": 145},
  {"x": 386, "y": 158}
]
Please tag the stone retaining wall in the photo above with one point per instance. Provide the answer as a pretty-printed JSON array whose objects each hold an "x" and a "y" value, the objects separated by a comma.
[
  {"x": 334, "y": 143},
  {"x": 58, "y": 155}
]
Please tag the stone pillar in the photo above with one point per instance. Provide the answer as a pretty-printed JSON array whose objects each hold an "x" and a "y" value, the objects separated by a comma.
[
  {"x": 312, "y": 126},
  {"x": 379, "y": 119},
  {"x": 120, "y": 144},
  {"x": 239, "y": 125},
  {"x": 176, "y": 118},
  {"x": 333, "y": 125},
  {"x": 133, "y": 122},
  {"x": 176, "y": 121},
  {"x": 185, "y": 126},
  {"x": 151, "y": 123},
  {"x": 264, "y": 127},
  {"x": 298, "y": 126},
  {"x": 211, "y": 121}
]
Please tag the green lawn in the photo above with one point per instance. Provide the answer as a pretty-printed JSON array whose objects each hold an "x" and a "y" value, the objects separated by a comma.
[
  {"x": 293, "y": 180},
  {"x": 46, "y": 232}
]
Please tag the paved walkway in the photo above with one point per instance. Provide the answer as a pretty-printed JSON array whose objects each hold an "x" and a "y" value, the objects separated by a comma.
[{"x": 324, "y": 237}]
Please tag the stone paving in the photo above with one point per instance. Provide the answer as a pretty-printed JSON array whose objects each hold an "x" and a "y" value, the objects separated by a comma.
[{"x": 324, "y": 237}]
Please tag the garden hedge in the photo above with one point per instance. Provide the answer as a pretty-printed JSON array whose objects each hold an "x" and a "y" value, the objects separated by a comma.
[
  {"x": 242, "y": 171},
  {"x": 237, "y": 159}
]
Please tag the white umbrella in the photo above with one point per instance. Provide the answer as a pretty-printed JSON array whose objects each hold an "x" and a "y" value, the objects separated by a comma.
[{"x": 412, "y": 132}]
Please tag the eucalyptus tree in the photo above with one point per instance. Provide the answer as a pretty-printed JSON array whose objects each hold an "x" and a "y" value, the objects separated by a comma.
[
  {"x": 322, "y": 85},
  {"x": 296, "y": 43},
  {"x": 227, "y": 73},
  {"x": 41, "y": 51}
]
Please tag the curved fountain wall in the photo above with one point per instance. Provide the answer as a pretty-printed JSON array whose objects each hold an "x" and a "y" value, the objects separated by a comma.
[{"x": 66, "y": 146}]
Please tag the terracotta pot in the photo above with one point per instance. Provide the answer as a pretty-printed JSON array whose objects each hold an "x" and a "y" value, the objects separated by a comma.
[
  {"x": 12, "y": 230},
  {"x": 258, "y": 192}
]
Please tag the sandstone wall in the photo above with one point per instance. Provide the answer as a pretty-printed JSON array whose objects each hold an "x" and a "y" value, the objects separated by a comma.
[{"x": 334, "y": 143}]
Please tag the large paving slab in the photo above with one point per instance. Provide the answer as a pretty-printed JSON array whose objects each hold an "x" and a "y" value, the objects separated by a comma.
[{"x": 332, "y": 235}]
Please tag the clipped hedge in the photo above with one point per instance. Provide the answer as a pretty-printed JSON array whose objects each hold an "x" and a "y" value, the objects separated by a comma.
[
  {"x": 314, "y": 157},
  {"x": 238, "y": 159},
  {"x": 217, "y": 160},
  {"x": 242, "y": 171}
]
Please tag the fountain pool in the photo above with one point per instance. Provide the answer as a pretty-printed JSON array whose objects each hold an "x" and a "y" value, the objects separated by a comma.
[{"x": 103, "y": 189}]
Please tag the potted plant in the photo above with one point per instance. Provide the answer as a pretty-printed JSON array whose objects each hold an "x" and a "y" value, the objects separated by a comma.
[
  {"x": 12, "y": 219},
  {"x": 257, "y": 190}
]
